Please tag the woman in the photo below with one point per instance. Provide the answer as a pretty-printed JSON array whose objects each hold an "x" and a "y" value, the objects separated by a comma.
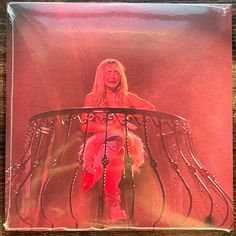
[{"x": 110, "y": 89}]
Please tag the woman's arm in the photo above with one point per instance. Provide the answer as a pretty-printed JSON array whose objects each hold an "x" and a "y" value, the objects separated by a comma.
[{"x": 140, "y": 103}]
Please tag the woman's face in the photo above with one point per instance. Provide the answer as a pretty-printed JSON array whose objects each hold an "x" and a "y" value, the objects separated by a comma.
[{"x": 111, "y": 77}]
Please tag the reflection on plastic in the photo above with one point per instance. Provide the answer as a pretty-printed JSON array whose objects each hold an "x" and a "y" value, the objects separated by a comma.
[{"x": 172, "y": 54}]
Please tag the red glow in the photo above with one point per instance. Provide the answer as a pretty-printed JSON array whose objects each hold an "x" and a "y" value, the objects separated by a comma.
[{"x": 178, "y": 62}]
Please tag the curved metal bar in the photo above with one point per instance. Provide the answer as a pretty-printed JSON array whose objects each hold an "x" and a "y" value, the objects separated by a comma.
[
  {"x": 76, "y": 173},
  {"x": 224, "y": 199},
  {"x": 169, "y": 123},
  {"x": 20, "y": 166},
  {"x": 165, "y": 123},
  {"x": 210, "y": 175},
  {"x": 192, "y": 170},
  {"x": 153, "y": 164},
  {"x": 55, "y": 163},
  {"x": 85, "y": 121},
  {"x": 129, "y": 163},
  {"x": 127, "y": 111},
  {"x": 103, "y": 119},
  {"x": 70, "y": 196},
  {"x": 44, "y": 187},
  {"x": 193, "y": 152},
  {"x": 16, "y": 199},
  {"x": 105, "y": 162},
  {"x": 120, "y": 122},
  {"x": 44, "y": 130},
  {"x": 174, "y": 166},
  {"x": 216, "y": 186},
  {"x": 33, "y": 167},
  {"x": 137, "y": 120}
]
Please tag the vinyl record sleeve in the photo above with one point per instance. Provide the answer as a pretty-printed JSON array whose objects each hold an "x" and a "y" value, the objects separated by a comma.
[{"x": 119, "y": 116}]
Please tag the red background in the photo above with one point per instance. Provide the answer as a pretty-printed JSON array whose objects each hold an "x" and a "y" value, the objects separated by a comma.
[{"x": 176, "y": 56}]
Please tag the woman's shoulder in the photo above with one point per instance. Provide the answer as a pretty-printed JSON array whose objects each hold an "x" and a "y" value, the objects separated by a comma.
[
  {"x": 132, "y": 95},
  {"x": 89, "y": 98},
  {"x": 132, "y": 99},
  {"x": 89, "y": 95}
]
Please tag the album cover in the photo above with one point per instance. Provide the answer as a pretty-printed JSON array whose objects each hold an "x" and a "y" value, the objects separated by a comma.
[{"x": 119, "y": 116}]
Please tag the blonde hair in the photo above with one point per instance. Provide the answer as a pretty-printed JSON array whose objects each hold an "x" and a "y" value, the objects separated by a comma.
[{"x": 99, "y": 88}]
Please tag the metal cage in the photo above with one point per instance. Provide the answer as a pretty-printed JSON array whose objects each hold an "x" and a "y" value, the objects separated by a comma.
[{"x": 172, "y": 188}]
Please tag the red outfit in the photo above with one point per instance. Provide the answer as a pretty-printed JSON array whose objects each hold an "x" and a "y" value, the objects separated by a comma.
[{"x": 94, "y": 151}]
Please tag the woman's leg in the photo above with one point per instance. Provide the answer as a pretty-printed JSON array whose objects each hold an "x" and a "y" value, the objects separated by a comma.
[
  {"x": 93, "y": 155},
  {"x": 93, "y": 150},
  {"x": 113, "y": 176}
]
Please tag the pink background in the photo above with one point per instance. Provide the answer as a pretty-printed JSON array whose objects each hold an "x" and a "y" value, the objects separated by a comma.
[{"x": 176, "y": 56}]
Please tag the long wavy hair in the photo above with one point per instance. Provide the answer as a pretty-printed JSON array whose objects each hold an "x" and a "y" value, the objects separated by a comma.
[{"x": 99, "y": 88}]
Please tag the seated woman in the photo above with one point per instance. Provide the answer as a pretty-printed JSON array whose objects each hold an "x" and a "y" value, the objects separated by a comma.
[{"x": 110, "y": 89}]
